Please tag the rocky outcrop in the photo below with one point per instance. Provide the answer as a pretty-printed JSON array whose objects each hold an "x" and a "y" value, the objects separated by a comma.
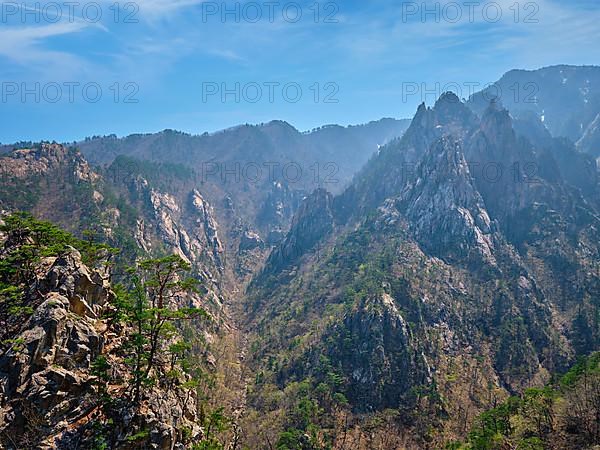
[
  {"x": 376, "y": 350},
  {"x": 463, "y": 245},
  {"x": 88, "y": 291},
  {"x": 49, "y": 394},
  {"x": 141, "y": 236},
  {"x": 190, "y": 230},
  {"x": 46, "y": 383},
  {"x": 184, "y": 222},
  {"x": 590, "y": 141},
  {"x": 444, "y": 208},
  {"x": 250, "y": 240},
  {"x": 388, "y": 173},
  {"x": 45, "y": 159},
  {"x": 165, "y": 209},
  {"x": 279, "y": 207},
  {"x": 313, "y": 221},
  {"x": 206, "y": 230}
]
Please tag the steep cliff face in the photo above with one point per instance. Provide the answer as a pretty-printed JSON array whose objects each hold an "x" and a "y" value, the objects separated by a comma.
[
  {"x": 133, "y": 205},
  {"x": 49, "y": 180},
  {"x": 460, "y": 266},
  {"x": 45, "y": 159},
  {"x": 388, "y": 172},
  {"x": 145, "y": 210},
  {"x": 377, "y": 349},
  {"x": 186, "y": 227},
  {"x": 313, "y": 221},
  {"x": 46, "y": 372},
  {"x": 50, "y": 386},
  {"x": 509, "y": 172},
  {"x": 278, "y": 210},
  {"x": 255, "y": 176},
  {"x": 207, "y": 229},
  {"x": 590, "y": 140},
  {"x": 446, "y": 212}
]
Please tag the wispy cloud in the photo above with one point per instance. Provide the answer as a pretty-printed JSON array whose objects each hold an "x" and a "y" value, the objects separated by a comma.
[{"x": 25, "y": 46}]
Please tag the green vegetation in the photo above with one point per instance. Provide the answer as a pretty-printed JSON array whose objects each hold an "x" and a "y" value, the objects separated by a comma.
[
  {"x": 308, "y": 408},
  {"x": 160, "y": 175},
  {"x": 306, "y": 418},
  {"x": 214, "y": 423},
  {"x": 25, "y": 194},
  {"x": 150, "y": 312},
  {"x": 158, "y": 350},
  {"x": 564, "y": 414},
  {"x": 29, "y": 241}
]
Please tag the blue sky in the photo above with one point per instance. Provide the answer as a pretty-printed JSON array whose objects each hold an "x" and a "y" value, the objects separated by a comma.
[{"x": 352, "y": 61}]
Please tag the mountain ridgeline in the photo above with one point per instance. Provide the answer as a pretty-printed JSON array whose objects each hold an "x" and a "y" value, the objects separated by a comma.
[
  {"x": 565, "y": 98},
  {"x": 421, "y": 284},
  {"x": 461, "y": 266}
]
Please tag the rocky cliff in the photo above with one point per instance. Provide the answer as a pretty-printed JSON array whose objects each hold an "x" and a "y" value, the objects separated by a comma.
[
  {"x": 50, "y": 384},
  {"x": 439, "y": 290}
]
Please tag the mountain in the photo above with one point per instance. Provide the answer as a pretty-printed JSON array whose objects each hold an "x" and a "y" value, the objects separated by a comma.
[
  {"x": 274, "y": 141},
  {"x": 444, "y": 293},
  {"x": 243, "y": 161},
  {"x": 255, "y": 176},
  {"x": 565, "y": 98},
  {"x": 434, "y": 291},
  {"x": 395, "y": 163},
  {"x": 138, "y": 206}
]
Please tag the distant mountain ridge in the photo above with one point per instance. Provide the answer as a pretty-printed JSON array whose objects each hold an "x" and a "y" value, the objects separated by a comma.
[
  {"x": 565, "y": 98},
  {"x": 347, "y": 146}
]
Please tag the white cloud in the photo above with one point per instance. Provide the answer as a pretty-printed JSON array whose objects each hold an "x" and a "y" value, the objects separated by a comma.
[{"x": 23, "y": 44}]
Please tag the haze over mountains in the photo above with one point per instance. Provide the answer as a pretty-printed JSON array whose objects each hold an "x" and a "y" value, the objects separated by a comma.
[
  {"x": 565, "y": 98},
  {"x": 394, "y": 293}
]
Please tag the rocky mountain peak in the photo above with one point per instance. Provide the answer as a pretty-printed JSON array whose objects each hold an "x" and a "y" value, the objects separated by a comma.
[
  {"x": 448, "y": 104},
  {"x": 496, "y": 125},
  {"x": 446, "y": 212},
  {"x": 424, "y": 119},
  {"x": 421, "y": 116},
  {"x": 565, "y": 98},
  {"x": 386, "y": 175},
  {"x": 447, "y": 97},
  {"x": 452, "y": 113},
  {"x": 449, "y": 116},
  {"x": 459, "y": 268}
]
